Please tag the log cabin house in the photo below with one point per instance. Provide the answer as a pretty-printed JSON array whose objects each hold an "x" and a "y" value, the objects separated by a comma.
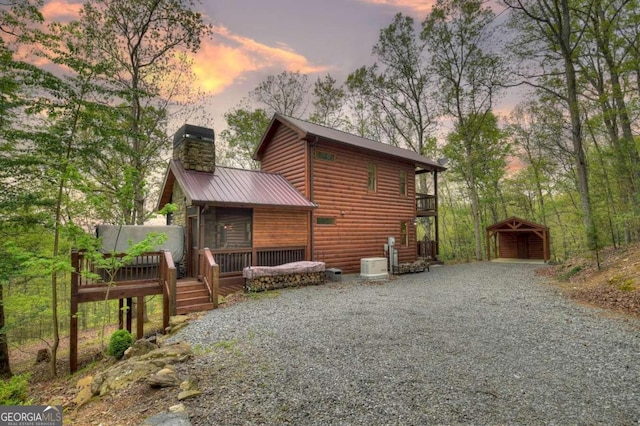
[{"x": 321, "y": 194}]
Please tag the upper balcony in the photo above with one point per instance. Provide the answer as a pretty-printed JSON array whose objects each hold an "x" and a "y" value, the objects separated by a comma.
[{"x": 426, "y": 205}]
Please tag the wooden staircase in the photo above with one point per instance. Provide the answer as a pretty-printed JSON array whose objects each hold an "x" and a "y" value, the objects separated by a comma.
[{"x": 192, "y": 296}]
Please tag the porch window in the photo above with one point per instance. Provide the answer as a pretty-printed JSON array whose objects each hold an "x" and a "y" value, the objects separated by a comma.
[
  {"x": 372, "y": 181},
  {"x": 404, "y": 234}
]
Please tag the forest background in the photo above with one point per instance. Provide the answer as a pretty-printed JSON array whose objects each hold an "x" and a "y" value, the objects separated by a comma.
[{"x": 86, "y": 118}]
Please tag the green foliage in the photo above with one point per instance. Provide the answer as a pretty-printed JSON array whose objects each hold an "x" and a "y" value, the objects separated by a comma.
[
  {"x": 168, "y": 209},
  {"x": 565, "y": 276},
  {"x": 120, "y": 341},
  {"x": 245, "y": 127},
  {"x": 14, "y": 390}
]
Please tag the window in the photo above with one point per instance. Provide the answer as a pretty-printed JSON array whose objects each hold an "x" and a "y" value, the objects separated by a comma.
[
  {"x": 404, "y": 234},
  {"x": 372, "y": 183},
  {"x": 403, "y": 183},
  {"x": 326, "y": 220},
  {"x": 326, "y": 156}
]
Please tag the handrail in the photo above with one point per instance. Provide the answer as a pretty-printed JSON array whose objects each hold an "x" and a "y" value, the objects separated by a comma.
[
  {"x": 210, "y": 272},
  {"x": 168, "y": 281}
]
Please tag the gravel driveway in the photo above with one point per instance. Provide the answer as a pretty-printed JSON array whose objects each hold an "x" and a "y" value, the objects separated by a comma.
[{"x": 481, "y": 343}]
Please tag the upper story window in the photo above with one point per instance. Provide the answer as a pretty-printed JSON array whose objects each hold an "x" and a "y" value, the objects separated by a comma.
[
  {"x": 372, "y": 179},
  {"x": 324, "y": 155},
  {"x": 403, "y": 183}
]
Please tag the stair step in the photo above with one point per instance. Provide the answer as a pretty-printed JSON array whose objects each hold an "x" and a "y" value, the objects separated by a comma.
[
  {"x": 192, "y": 293},
  {"x": 192, "y": 299},
  {"x": 190, "y": 286},
  {"x": 181, "y": 310}
]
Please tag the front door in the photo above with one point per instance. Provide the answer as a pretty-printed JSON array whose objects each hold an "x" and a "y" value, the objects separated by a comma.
[{"x": 192, "y": 245}]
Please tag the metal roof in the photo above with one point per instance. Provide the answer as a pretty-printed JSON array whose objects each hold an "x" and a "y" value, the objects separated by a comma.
[
  {"x": 309, "y": 130},
  {"x": 237, "y": 187}
]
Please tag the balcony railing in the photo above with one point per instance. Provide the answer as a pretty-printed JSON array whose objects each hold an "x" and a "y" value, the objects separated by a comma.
[{"x": 425, "y": 203}]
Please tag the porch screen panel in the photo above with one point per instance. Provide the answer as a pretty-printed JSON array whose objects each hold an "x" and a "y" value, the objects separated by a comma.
[{"x": 228, "y": 228}]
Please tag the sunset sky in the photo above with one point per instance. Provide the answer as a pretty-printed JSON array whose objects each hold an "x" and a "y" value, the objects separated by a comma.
[{"x": 255, "y": 38}]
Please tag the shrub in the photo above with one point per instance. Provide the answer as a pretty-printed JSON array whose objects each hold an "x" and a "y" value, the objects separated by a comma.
[
  {"x": 14, "y": 390},
  {"x": 120, "y": 341}
]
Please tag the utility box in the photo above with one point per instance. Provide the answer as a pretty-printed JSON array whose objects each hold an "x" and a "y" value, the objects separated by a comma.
[
  {"x": 374, "y": 268},
  {"x": 334, "y": 274}
]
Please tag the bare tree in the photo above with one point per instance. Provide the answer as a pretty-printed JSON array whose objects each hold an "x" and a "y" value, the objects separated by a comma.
[{"x": 285, "y": 93}]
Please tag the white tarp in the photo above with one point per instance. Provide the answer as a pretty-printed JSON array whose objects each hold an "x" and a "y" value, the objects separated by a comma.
[{"x": 118, "y": 237}]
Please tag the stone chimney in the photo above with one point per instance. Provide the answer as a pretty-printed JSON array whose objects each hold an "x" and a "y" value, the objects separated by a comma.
[{"x": 195, "y": 147}]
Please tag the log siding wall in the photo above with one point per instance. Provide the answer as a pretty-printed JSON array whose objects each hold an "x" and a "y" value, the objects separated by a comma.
[
  {"x": 364, "y": 219},
  {"x": 287, "y": 155},
  {"x": 280, "y": 228}
]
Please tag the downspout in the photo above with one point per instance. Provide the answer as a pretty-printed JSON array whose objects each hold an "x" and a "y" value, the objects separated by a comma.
[
  {"x": 435, "y": 192},
  {"x": 312, "y": 226}
]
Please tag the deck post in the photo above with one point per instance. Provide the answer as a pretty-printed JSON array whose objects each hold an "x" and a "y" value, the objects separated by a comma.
[
  {"x": 120, "y": 314},
  {"x": 73, "y": 323},
  {"x": 140, "y": 318},
  {"x": 173, "y": 287},
  {"x": 129, "y": 313}
]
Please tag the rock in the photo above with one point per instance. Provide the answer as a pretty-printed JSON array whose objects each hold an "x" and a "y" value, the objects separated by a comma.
[
  {"x": 164, "y": 378},
  {"x": 123, "y": 373},
  {"x": 43, "y": 355},
  {"x": 168, "y": 419},
  {"x": 140, "y": 347},
  {"x": 178, "y": 319},
  {"x": 175, "y": 328},
  {"x": 170, "y": 354},
  {"x": 188, "y": 385},
  {"x": 191, "y": 393},
  {"x": 178, "y": 408},
  {"x": 85, "y": 393}
]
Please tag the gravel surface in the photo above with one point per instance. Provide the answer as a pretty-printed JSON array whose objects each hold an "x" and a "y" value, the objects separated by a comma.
[{"x": 481, "y": 343}]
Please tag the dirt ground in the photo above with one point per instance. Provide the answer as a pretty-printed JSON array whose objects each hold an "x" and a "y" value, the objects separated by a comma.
[{"x": 613, "y": 286}]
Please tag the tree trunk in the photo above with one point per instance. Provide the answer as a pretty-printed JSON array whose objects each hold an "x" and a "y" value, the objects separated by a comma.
[
  {"x": 576, "y": 124},
  {"x": 5, "y": 369}
]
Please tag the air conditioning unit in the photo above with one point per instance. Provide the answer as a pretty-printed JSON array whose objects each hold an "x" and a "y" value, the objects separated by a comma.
[{"x": 374, "y": 268}]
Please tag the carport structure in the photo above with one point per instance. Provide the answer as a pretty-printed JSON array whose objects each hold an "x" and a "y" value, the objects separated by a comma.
[{"x": 516, "y": 238}]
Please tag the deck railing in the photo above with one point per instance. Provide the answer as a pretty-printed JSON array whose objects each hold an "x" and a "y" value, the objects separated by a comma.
[
  {"x": 279, "y": 256},
  {"x": 425, "y": 202},
  {"x": 428, "y": 249},
  {"x": 210, "y": 273},
  {"x": 145, "y": 267},
  {"x": 233, "y": 261}
]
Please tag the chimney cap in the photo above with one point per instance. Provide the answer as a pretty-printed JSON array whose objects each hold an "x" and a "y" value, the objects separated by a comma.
[{"x": 193, "y": 132}]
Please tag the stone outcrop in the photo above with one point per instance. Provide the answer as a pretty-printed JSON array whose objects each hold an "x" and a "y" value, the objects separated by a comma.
[{"x": 139, "y": 368}]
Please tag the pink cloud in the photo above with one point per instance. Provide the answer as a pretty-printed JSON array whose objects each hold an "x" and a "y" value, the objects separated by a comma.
[
  {"x": 417, "y": 6},
  {"x": 228, "y": 57},
  {"x": 60, "y": 11}
]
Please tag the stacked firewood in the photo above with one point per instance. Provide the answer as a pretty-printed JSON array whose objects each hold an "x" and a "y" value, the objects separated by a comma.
[{"x": 273, "y": 282}]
